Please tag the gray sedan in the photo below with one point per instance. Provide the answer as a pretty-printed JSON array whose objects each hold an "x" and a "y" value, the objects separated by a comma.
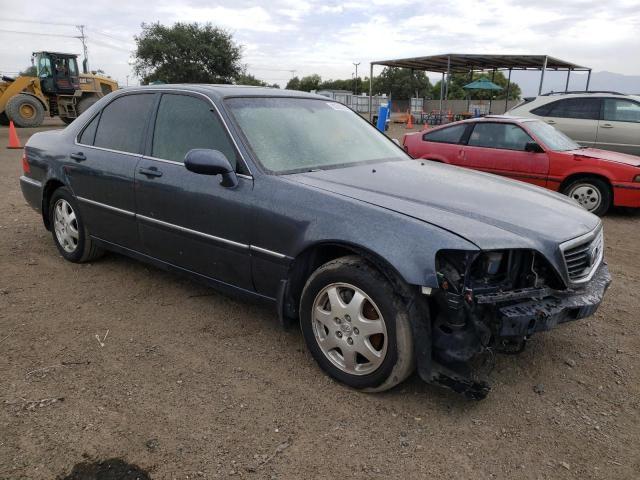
[{"x": 386, "y": 263}]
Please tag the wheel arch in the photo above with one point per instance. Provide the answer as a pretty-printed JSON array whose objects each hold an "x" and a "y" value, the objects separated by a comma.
[
  {"x": 578, "y": 175},
  {"x": 319, "y": 253},
  {"x": 31, "y": 94},
  {"x": 51, "y": 186}
]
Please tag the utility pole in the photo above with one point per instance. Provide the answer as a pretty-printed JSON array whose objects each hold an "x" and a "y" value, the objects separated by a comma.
[
  {"x": 83, "y": 39},
  {"x": 356, "y": 87}
]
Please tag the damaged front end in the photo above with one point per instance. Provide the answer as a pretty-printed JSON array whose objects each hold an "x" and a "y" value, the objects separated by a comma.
[{"x": 493, "y": 301}]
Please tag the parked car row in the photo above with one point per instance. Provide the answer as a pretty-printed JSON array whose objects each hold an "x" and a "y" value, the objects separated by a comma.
[
  {"x": 533, "y": 151},
  {"x": 386, "y": 263}
]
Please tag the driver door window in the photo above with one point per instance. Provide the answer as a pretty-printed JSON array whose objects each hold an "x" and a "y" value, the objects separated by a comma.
[{"x": 184, "y": 123}]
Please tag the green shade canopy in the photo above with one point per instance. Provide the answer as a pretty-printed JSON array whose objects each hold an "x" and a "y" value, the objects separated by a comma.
[{"x": 482, "y": 84}]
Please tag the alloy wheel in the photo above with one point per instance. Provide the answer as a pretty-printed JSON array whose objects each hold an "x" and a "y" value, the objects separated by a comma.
[
  {"x": 66, "y": 226},
  {"x": 349, "y": 328}
]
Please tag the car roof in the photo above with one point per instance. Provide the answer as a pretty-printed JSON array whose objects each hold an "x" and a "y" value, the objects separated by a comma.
[
  {"x": 223, "y": 91},
  {"x": 551, "y": 96}
]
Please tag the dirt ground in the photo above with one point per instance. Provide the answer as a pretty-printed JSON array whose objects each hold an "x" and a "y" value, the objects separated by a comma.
[{"x": 118, "y": 362}]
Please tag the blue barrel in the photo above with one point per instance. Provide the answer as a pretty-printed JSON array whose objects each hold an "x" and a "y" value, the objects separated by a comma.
[{"x": 383, "y": 111}]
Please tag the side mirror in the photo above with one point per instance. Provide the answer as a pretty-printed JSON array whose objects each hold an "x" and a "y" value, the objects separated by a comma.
[
  {"x": 211, "y": 162},
  {"x": 533, "y": 147}
]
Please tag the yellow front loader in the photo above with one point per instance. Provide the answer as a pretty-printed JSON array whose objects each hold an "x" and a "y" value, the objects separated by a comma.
[{"x": 57, "y": 90}]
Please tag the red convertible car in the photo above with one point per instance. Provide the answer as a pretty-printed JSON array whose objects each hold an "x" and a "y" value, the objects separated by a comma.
[{"x": 535, "y": 152}]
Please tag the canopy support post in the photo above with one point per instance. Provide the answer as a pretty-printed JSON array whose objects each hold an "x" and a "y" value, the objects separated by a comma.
[
  {"x": 588, "y": 80},
  {"x": 469, "y": 93},
  {"x": 544, "y": 67},
  {"x": 371, "y": 93},
  {"x": 566, "y": 85},
  {"x": 446, "y": 95},
  {"x": 506, "y": 98},
  {"x": 493, "y": 77},
  {"x": 441, "y": 92}
]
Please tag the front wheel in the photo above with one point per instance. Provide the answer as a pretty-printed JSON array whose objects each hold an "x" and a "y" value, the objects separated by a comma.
[
  {"x": 69, "y": 232},
  {"x": 356, "y": 326},
  {"x": 593, "y": 194}
]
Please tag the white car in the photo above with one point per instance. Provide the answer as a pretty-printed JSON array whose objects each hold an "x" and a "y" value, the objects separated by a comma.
[{"x": 606, "y": 120}]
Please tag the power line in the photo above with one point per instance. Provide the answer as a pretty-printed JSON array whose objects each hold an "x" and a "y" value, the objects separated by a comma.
[
  {"x": 36, "y": 21},
  {"x": 38, "y": 33}
]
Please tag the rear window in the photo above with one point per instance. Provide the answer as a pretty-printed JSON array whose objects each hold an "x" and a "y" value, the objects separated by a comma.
[
  {"x": 446, "y": 135},
  {"x": 619, "y": 110},
  {"x": 122, "y": 123}
]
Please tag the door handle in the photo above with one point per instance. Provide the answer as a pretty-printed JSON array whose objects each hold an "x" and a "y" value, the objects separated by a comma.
[
  {"x": 78, "y": 156},
  {"x": 606, "y": 125},
  {"x": 150, "y": 172}
]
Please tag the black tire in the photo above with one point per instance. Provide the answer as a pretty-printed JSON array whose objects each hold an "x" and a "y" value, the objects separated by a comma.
[
  {"x": 85, "y": 249},
  {"x": 84, "y": 104},
  {"x": 585, "y": 189},
  {"x": 4, "y": 120},
  {"x": 398, "y": 361},
  {"x": 25, "y": 111},
  {"x": 67, "y": 120}
]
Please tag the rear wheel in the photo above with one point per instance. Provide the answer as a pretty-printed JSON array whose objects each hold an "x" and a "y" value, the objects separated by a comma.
[
  {"x": 69, "y": 232},
  {"x": 84, "y": 104},
  {"x": 593, "y": 194},
  {"x": 25, "y": 111},
  {"x": 356, "y": 326}
]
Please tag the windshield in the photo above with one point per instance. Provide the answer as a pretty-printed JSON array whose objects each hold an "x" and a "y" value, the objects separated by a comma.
[
  {"x": 291, "y": 135},
  {"x": 552, "y": 138}
]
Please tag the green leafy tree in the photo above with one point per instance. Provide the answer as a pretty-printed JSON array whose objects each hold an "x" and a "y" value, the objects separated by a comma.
[
  {"x": 459, "y": 80},
  {"x": 186, "y": 53},
  {"x": 402, "y": 83},
  {"x": 293, "y": 84},
  {"x": 248, "y": 79}
]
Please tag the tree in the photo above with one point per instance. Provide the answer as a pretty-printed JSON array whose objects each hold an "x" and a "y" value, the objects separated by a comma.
[
  {"x": 186, "y": 53},
  {"x": 293, "y": 84},
  {"x": 247, "y": 79},
  {"x": 459, "y": 80},
  {"x": 402, "y": 83},
  {"x": 30, "y": 71}
]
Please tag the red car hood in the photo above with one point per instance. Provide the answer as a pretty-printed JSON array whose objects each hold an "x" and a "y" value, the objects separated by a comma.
[{"x": 607, "y": 155}]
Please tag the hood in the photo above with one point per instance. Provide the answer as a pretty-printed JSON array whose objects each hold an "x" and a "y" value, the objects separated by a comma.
[
  {"x": 487, "y": 210},
  {"x": 607, "y": 156}
]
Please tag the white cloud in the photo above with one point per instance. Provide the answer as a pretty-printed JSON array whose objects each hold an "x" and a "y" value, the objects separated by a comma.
[{"x": 326, "y": 36}]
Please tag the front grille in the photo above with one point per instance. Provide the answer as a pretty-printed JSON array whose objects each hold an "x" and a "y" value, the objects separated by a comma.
[{"x": 582, "y": 256}]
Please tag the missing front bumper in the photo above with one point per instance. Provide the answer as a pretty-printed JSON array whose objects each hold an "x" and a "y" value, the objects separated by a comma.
[{"x": 538, "y": 315}]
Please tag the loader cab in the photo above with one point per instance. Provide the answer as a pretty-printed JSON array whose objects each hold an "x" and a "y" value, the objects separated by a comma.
[{"x": 58, "y": 72}]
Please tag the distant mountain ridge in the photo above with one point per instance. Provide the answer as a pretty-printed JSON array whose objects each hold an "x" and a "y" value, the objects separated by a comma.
[{"x": 555, "y": 81}]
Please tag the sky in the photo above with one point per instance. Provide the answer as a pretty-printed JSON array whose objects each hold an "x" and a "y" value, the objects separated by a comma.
[{"x": 281, "y": 38}]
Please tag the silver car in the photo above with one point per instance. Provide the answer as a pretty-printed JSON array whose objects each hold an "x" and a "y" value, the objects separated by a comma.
[{"x": 606, "y": 120}]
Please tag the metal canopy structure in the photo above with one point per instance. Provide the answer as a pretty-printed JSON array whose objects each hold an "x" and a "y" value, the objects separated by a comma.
[{"x": 449, "y": 63}]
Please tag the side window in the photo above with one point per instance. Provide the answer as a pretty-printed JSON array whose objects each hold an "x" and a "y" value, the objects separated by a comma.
[
  {"x": 581, "y": 108},
  {"x": 499, "y": 135},
  {"x": 122, "y": 123},
  {"x": 618, "y": 110},
  {"x": 543, "y": 110},
  {"x": 446, "y": 135},
  {"x": 185, "y": 122},
  {"x": 89, "y": 133}
]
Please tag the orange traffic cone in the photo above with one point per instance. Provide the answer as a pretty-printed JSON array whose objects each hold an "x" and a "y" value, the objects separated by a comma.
[
  {"x": 410, "y": 121},
  {"x": 14, "y": 141}
]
